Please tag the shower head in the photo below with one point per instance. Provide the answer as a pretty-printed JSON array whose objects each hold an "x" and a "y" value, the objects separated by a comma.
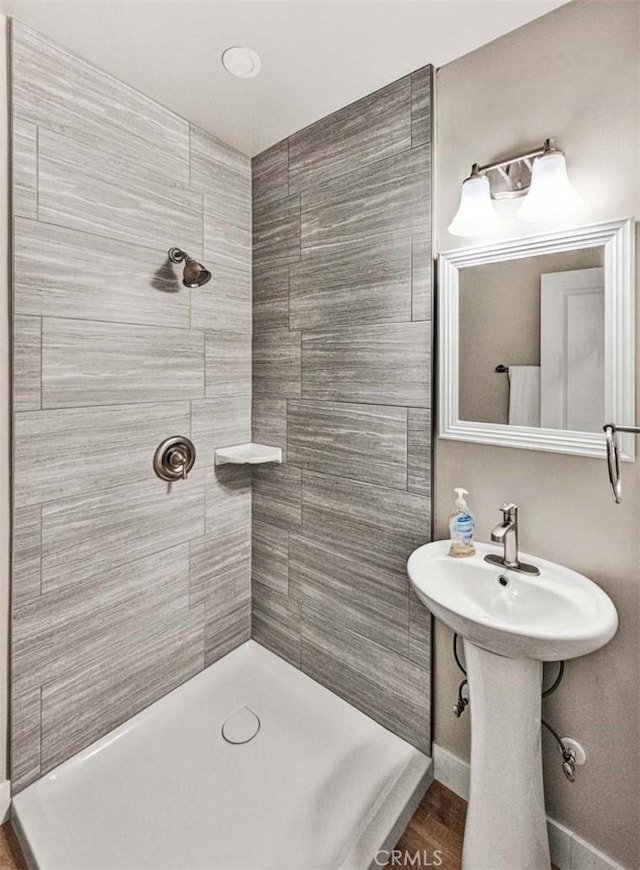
[{"x": 195, "y": 274}]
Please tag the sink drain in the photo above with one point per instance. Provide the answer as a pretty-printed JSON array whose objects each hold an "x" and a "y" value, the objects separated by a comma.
[{"x": 241, "y": 727}]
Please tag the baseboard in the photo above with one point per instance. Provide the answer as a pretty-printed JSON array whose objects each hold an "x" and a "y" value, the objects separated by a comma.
[
  {"x": 568, "y": 850},
  {"x": 451, "y": 770},
  {"x": 5, "y": 800}
]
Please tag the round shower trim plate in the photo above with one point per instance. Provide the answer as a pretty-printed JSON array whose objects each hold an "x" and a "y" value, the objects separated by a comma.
[{"x": 241, "y": 62}]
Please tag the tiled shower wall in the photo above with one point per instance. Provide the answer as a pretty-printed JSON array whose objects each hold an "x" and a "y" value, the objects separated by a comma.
[
  {"x": 123, "y": 585},
  {"x": 342, "y": 382}
]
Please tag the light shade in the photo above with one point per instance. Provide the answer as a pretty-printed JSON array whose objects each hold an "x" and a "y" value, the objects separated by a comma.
[
  {"x": 476, "y": 215},
  {"x": 550, "y": 195}
]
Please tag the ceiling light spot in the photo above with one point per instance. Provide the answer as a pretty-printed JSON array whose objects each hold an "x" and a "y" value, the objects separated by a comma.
[{"x": 241, "y": 62}]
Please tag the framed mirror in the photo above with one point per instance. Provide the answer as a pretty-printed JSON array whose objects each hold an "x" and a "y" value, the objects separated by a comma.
[{"x": 536, "y": 340}]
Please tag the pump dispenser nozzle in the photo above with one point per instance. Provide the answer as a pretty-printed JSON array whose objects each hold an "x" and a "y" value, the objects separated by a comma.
[{"x": 460, "y": 501}]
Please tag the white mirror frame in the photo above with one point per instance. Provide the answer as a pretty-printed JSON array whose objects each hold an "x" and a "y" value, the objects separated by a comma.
[{"x": 617, "y": 238}]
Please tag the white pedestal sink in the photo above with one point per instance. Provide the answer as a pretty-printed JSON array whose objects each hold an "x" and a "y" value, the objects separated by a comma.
[{"x": 510, "y": 623}]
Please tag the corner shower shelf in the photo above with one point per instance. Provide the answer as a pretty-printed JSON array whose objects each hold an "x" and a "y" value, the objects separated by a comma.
[{"x": 249, "y": 453}]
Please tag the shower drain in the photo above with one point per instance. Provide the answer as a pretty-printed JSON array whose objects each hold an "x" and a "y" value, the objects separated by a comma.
[{"x": 241, "y": 727}]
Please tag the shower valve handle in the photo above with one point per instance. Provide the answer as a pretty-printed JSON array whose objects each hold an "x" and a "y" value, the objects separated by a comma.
[
  {"x": 174, "y": 458},
  {"x": 178, "y": 460}
]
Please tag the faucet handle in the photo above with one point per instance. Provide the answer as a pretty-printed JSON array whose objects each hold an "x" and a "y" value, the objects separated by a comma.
[{"x": 509, "y": 511}]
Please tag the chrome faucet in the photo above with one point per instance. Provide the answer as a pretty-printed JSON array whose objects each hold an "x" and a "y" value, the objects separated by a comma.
[{"x": 506, "y": 533}]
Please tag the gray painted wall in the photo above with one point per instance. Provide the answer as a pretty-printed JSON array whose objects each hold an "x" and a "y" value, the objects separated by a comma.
[
  {"x": 572, "y": 74},
  {"x": 342, "y": 382},
  {"x": 123, "y": 586}
]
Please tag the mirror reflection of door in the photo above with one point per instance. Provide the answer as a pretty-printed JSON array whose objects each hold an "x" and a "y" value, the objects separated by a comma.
[
  {"x": 572, "y": 350},
  {"x": 525, "y": 361}
]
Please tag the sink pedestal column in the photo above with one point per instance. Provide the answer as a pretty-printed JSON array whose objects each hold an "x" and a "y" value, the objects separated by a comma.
[{"x": 506, "y": 823}]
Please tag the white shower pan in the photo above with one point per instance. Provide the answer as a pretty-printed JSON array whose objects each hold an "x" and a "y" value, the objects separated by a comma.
[{"x": 320, "y": 785}]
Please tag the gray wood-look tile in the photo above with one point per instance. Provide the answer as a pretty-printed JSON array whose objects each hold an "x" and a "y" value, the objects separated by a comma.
[
  {"x": 270, "y": 173},
  {"x": 225, "y": 302},
  {"x": 106, "y": 193},
  {"x": 221, "y": 560},
  {"x": 225, "y": 244},
  {"x": 27, "y": 363},
  {"x": 388, "y": 687},
  {"x": 220, "y": 170},
  {"x": 224, "y": 177},
  {"x": 419, "y": 451},
  {"x": 123, "y": 585},
  {"x": 276, "y": 231},
  {"x": 68, "y": 452},
  {"x": 382, "y": 365},
  {"x": 90, "y": 363},
  {"x": 228, "y": 499},
  {"x": 421, "y": 99},
  {"x": 368, "y": 282},
  {"x": 270, "y": 297},
  {"x": 85, "y": 705},
  {"x": 228, "y": 364},
  {"x": 363, "y": 442},
  {"x": 269, "y": 423},
  {"x": 94, "y": 619},
  {"x": 221, "y": 569},
  {"x": 375, "y": 127},
  {"x": 421, "y": 277},
  {"x": 390, "y": 196},
  {"x": 269, "y": 556},
  {"x": 277, "y": 495},
  {"x": 420, "y": 629},
  {"x": 276, "y": 622},
  {"x": 58, "y": 90},
  {"x": 84, "y": 535},
  {"x": 378, "y": 525},
  {"x": 25, "y": 735},
  {"x": 24, "y": 158},
  {"x": 66, "y": 273},
  {"x": 276, "y": 364},
  {"x": 219, "y": 423},
  {"x": 370, "y": 601},
  {"x": 354, "y": 277},
  {"x": 224, "y": 631},
  {"x": 26, "y": 539},
  {"x": 221, "y": 564}
]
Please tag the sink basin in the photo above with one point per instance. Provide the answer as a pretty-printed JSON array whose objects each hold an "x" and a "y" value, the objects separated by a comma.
[{"x": 557, "y": 615}]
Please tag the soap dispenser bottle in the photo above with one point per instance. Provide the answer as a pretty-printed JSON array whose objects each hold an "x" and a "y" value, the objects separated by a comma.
[{"x": 461, "y": 526}]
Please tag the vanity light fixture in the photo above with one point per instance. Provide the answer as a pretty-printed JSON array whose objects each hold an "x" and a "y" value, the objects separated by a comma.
[
  {"x": 539, "y": 175},
  {"x": 476, "y": 215},
  {"x": 550, "y": 193}
]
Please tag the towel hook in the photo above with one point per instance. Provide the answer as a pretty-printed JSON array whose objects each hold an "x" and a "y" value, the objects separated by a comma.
[{"x": 613, "y": 459}]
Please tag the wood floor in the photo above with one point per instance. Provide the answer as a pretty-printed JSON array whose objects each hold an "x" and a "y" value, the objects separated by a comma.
[
  {"x": 10, "y": 854},
  {"x": 437, "y": 825}
]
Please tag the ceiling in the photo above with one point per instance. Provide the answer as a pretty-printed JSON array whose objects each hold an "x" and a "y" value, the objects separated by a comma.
[{"x": 317, "y": 55}]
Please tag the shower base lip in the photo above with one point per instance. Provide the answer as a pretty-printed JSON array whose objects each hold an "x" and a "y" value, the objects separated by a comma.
[{"x": 320, "y": 786}]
